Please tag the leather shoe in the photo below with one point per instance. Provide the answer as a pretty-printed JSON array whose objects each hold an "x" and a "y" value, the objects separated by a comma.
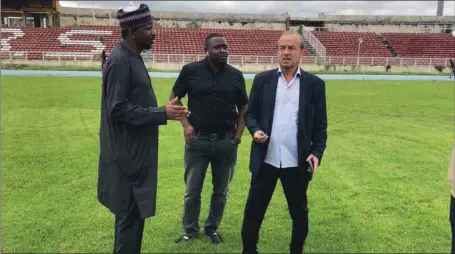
[{"x": 214, "y": 237}]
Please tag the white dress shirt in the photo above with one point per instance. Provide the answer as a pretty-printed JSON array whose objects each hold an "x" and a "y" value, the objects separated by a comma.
[{"x": 282, "y": 149}]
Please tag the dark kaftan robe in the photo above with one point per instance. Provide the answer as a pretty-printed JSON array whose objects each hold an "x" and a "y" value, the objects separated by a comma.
[{"x": 130, "y": 117}]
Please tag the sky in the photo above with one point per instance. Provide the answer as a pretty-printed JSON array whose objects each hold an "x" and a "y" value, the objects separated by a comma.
[{"x": 294, "y": 8}]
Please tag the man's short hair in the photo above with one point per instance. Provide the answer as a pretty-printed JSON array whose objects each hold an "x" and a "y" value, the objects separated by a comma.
[
  {"x": 290, "y": 32},
  {"x": 209, "y": 37}
]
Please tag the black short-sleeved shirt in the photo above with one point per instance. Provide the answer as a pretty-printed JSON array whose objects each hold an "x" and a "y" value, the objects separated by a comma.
[{"x": 214, "y": 98}]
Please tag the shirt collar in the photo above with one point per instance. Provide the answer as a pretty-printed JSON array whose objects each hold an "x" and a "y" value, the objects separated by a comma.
[
  {"x": 297, "y": 74},
  {"x": 206, "y": 61}
]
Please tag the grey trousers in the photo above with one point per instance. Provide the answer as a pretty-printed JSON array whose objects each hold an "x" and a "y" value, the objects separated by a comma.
[{"x": 199, "y": 152}]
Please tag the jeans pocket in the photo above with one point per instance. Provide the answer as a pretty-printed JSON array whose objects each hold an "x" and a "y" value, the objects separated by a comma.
[
  {"x": 196, "y": 143},
  {"x": 188, "y": 143}
]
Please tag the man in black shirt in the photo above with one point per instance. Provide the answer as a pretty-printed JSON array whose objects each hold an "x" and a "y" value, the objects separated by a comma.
[
  {"x": 217, "y": 101},
  {"x": 127, "y": 169}
]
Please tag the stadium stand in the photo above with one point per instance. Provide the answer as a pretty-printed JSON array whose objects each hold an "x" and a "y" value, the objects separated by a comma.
[
  {"x": 242, "y": 42},
  {"x": 346, "y": 44},
  {"x": 69, "y": 43},
  {"x": 62, "y": 33},
  {"x": 51, "y": 41},
  {"x": 93, "y": 39},
  {"x": 422, "y": 45}
]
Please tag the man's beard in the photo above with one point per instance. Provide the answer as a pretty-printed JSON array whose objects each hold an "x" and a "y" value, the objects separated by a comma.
[
  {"x": 147, "y": 46},
  {"x": 221, "y": 59}
]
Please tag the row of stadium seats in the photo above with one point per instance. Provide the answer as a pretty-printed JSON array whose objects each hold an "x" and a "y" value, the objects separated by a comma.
[
  {"x": 347, "y": 44},
  {"x": 93, "y": 39},
  {"x": 422, "y": 45}
]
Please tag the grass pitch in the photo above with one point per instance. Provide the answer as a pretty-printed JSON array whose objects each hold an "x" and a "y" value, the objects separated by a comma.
[{"x": 382, "y": 186}]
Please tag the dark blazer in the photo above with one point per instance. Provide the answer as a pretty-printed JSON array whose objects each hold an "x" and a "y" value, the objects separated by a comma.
[{"x": 312, "y": 118}]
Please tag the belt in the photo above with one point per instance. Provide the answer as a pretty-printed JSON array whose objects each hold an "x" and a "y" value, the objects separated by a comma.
[{"x": 213, "y": 135}]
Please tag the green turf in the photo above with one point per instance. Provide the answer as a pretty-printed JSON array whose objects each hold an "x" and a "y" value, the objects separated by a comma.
[{"x": 382, "y": 186}]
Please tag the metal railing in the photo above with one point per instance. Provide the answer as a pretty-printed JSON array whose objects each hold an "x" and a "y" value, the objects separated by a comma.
[
  {"x": 315, "y": 43},
  {"x": 232, "y": 59}
]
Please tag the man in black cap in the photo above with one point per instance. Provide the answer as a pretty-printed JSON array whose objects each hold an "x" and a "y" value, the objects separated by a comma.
[
  {"x": 130, "y": 116},
  {"x": 217, "y": 99}
]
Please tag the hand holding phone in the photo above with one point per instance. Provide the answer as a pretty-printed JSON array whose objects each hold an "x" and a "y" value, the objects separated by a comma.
[
  {"x": 313, "y": 163},
  {"x": 310, "y": 166}
]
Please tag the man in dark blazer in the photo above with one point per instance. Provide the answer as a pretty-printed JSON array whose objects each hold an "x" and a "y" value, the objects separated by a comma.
[{"x": 287, "y": 118}]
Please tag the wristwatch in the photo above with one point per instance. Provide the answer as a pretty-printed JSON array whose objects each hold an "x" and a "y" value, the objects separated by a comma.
[{"x": 237, "y": 140}]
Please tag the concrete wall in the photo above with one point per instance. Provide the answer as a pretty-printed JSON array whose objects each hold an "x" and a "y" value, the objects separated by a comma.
[
  {"x": 184, "y": 15},
  {"x": 379, "y": 19},
  {"x": 88, "y": 21},
  {"x": 246, "y": 68},
  {"x": 389, "y": 19},
  {"x": 376, "y": 23},
  {"x": 365, "y": 23},
  {"x": 88, "y": 16},
  {"x": 384, "y": 29},
  {"x": 221, "y": 24}
]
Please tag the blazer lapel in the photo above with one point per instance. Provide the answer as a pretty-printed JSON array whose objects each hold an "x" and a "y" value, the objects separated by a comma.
[{"x": 271, "y": 91}]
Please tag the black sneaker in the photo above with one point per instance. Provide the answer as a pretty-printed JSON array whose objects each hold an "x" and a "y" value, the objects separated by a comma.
[{"x": 214, "y": 237}]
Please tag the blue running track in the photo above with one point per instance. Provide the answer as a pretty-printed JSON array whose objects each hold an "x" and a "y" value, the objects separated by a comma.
[{"x": 247, "y": 76}]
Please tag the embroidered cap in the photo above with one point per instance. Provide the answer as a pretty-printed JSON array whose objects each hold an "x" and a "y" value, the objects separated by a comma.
[{"x": 137, "y": 17}]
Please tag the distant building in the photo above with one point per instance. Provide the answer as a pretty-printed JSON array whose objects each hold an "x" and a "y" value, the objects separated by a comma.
[{"x": 30, "y": 13}]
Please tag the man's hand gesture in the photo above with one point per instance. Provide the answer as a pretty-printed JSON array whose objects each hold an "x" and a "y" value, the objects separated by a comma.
[
  {"x": 188, "y": 131},
  {"x": 175, "y": 110}
]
